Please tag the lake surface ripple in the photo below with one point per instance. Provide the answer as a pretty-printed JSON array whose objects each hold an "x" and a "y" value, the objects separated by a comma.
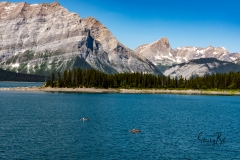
[{"x": 39, "y": 125}]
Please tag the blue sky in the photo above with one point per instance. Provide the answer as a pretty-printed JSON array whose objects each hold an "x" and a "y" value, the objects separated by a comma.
[{"x": 199, "y": 23}]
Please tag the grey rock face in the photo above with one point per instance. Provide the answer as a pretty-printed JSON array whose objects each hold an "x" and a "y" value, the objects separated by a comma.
[
  {"x": 158, "y": 52},
  {"x": 41, "y": 38},
  {"x": 161, "y": 53},
  {"x": 201, "y": 67}
]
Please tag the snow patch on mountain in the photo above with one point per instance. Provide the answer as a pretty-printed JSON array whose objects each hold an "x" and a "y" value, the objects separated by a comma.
[
  {"x": 15, "y": 65},
  {"x": 233, "y": 58}
]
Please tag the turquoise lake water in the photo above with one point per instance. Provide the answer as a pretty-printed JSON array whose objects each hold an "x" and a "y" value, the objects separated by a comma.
[
  {"x": 41, "y": 125},
  {"x": 20, "y": 84}
]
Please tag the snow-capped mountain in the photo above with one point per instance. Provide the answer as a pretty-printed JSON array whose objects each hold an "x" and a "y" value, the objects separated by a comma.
[{"x": 161, "y": 54}]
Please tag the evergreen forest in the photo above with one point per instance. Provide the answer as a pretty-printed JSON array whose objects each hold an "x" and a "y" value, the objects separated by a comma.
[{"x": 88, "y": 78}]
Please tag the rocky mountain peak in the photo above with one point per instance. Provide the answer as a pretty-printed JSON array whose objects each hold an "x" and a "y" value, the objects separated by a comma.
[
  {"x": 163, "y": 42},
  {"x": 157, "y": 46},
  {"x": 41, "y": 38},
  {"x": 158, "y": 52},
  {"x": 9, "y": 11},
  {"x": 55, "y": 4}
]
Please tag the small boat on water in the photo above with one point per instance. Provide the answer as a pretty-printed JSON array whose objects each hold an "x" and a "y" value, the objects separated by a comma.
[
  {"x": 84, "y": 119},
  {"x": 134, "y": 130}
]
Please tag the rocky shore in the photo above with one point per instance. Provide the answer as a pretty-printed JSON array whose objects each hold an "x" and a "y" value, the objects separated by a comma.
[{"x": 111, "y": 90}]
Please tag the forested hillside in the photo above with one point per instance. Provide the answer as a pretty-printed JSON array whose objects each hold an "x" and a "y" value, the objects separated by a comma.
[{"x": 11, "y": 76}]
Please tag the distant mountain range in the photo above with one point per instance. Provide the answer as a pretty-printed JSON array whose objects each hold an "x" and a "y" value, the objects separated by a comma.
[
  {"x": 187, "y": 61},
  {"x": 161, "y": 53},
  {"x": 45, "y": 38}
]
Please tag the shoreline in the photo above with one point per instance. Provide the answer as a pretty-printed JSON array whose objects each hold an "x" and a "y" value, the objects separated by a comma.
[{"x": 129, "y": 91}]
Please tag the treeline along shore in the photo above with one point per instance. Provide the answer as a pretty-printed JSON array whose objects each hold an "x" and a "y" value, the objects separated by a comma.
[{"x": 90, "y": 78}]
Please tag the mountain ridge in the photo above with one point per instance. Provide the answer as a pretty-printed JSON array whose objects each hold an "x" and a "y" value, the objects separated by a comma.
[
  {"x": 160, "y": 52},
  {"x": 201, "y": 67},
  {"x": 51, "y": 39}
]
